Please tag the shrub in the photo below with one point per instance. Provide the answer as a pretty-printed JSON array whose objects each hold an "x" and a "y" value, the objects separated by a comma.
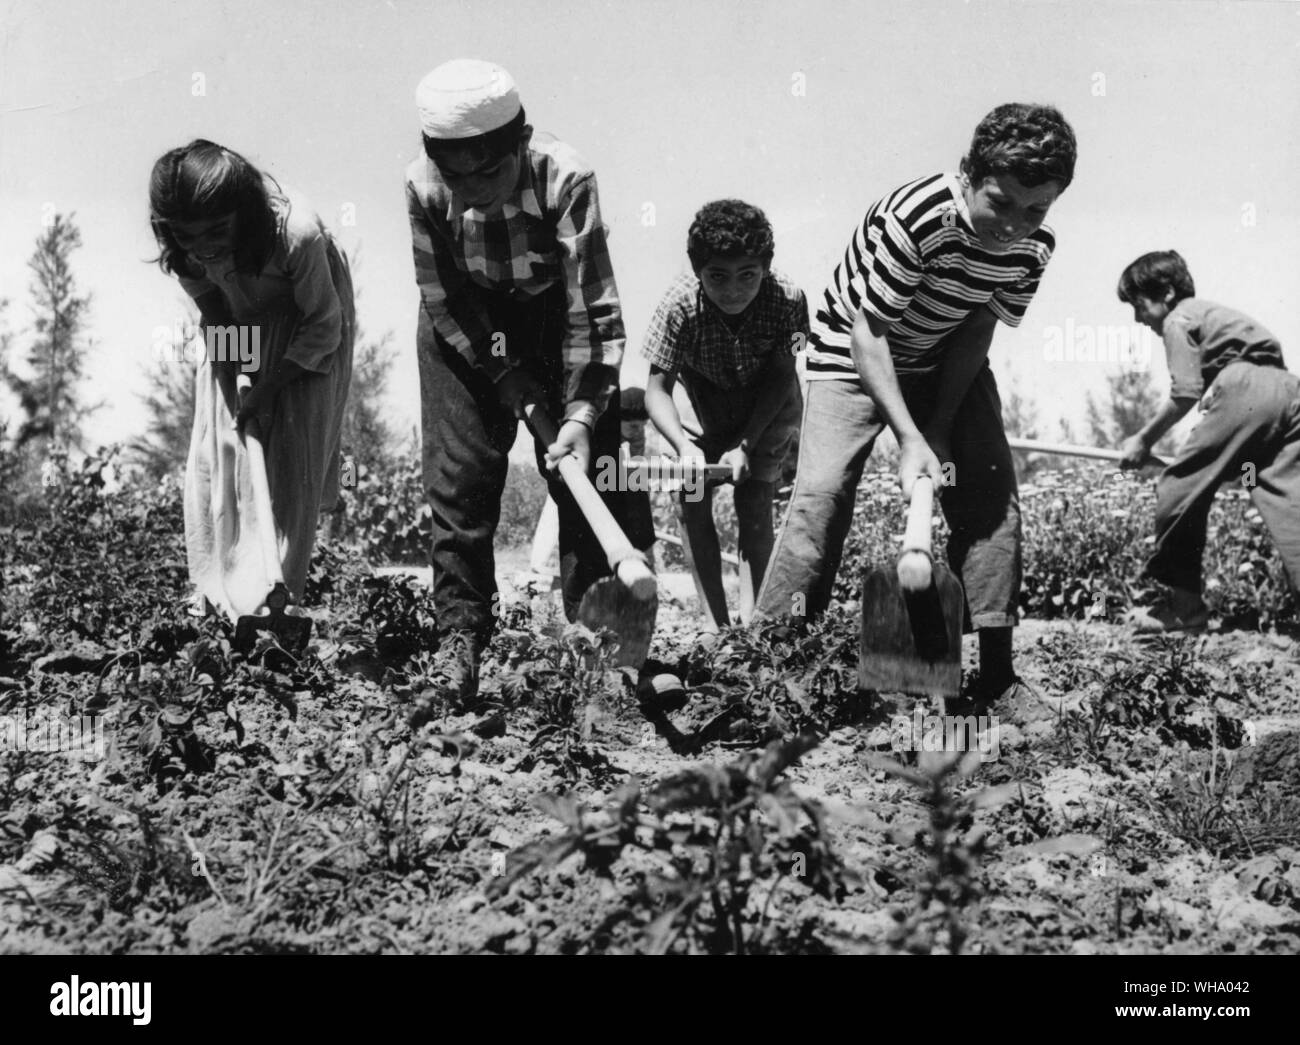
[
  {"x": 1088, "y": 532},
  {"x": 386, "y": 513}
]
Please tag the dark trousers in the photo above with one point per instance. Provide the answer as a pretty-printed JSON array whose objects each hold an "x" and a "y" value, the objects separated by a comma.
[
  {"x": 467, "y": 435},
  {"x": 1250, "y": 432}
]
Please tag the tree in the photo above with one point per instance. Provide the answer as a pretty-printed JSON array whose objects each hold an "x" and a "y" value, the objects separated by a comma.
[
  {"x": 169, "y": 402},
  {"x": 13, "y": 464},
  {"x": 1129, "y": 404},
  {"x": 367, "y": 437},
  {"x": 1019, "y": 415},
  {"x": 49, "y": 398},
  {"x": 1020, "y": 420}
]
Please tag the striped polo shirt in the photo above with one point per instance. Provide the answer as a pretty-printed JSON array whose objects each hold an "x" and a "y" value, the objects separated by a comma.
[{"x": 916, "y": 264}]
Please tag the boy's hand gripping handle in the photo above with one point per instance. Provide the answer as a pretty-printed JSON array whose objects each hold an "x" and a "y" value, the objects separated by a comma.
[
  {"x": 628, "y": 563},
  {"x": 914, "y": 564}
]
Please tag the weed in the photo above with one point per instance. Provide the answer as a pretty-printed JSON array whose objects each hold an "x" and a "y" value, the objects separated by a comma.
[
  {"x": 953, "y": 845},
  {"x": 723, "y": 837}
]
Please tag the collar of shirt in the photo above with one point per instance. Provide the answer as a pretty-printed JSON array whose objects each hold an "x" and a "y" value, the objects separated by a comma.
[
  {"x": 954, "y": 186},
  {"x": 716, "y": 315},
  {"x": 523, "y": 199}
]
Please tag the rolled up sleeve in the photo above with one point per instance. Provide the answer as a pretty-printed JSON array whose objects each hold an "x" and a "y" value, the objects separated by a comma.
[{"x": 1184, "y": 358}]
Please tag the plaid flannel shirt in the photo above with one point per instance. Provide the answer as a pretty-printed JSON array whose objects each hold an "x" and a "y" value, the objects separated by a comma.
[
  {"x": 549, "y": 232},
  {"x": 688, "y": 332}
]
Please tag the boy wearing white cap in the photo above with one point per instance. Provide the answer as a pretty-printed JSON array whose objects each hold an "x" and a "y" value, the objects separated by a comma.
[{"x": 518, "y": 305}]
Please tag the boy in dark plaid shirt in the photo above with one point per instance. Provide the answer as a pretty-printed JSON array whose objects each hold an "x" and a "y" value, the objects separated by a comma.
[
  {"x": 518, "y": 305},
  {"x": 729, "y": 331}
]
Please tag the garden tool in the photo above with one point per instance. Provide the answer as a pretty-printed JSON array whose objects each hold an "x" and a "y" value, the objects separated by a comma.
[
  {"x": 718, "y": 472},
  {"x": 912, "y": 615},
  {"x": 291, "y": 632},
  {"x": 666, "y": 469},
  {"x": 627, "y": 602},
  {"x": 1040, "y": 447}
]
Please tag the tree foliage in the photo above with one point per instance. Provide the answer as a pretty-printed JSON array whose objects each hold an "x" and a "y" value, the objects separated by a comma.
[
  {"x": 1130, "y": 402},
  {"x": 50, "y": 398},
  {"x": 169, "y": 402}
]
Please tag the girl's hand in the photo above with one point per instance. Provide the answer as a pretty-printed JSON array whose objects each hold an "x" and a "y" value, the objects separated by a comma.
[
  {"x": 257, "y": 405},
  {"x": 573, "y": 438}
]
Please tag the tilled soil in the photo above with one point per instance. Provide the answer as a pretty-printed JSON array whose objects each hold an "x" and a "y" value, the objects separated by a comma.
[{"x": 312, "y": 820}]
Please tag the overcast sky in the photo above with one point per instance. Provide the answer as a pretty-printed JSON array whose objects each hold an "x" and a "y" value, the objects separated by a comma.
[{"x": 1187, "y": 115}]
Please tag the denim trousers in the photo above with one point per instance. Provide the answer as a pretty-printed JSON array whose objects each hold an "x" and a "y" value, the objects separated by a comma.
[
  {"x": 982, "y": 508},
  {"x": 467, "y": 435},
  {"x": 1250, "y": 431}
]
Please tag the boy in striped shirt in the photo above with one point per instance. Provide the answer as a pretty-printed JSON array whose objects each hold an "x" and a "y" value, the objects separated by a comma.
[
  {"x": 518, "y": 305},
  {"x": 901, "y": 338}
]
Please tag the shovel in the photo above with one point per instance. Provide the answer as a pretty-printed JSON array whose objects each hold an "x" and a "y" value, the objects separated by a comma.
[
  {"x": 627, "y": 602},
  {"x": 291, "y": 632},
  {"x": 912, "y": 615}
]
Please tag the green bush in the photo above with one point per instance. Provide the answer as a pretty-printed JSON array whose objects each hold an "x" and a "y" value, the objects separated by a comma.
[
  {"x": 1088, "y": 532},
  {"x": 111, "y": 557},
  {"x": 385, "y": 511}
]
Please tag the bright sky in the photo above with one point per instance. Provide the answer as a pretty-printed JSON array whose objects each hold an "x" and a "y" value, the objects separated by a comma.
[{"x": 1187, "y": 115}]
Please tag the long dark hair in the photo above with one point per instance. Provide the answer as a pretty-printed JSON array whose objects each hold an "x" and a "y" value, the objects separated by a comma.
[{"x": 202, "y": 181}]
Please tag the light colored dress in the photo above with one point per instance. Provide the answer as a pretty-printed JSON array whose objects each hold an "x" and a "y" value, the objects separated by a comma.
[{"x": 300, "y": 308}]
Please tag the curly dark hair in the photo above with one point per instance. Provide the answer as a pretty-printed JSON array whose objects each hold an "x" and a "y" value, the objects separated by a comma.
[
  {"x": 202, "y": 181},
  {"x": 1032, "y": 143},
  {"x": 729, "y": 229},
  {"x": 1154, "y": 275},
  {"x": 485, "y": 148}
]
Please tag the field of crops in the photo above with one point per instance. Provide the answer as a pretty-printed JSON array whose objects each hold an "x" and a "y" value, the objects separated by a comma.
[{"x": 1149, "y": 802}]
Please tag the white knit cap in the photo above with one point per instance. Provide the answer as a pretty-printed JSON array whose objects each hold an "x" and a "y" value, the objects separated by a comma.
[{"x": 464, "y": 98}]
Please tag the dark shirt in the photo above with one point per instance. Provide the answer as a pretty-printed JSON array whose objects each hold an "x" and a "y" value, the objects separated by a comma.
[{"x": 1201, "y": 338}]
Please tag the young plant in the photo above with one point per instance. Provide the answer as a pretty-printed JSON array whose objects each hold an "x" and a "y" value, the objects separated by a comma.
[
  {"x": 723, "y": 836},
  {"x": 953, "y": 845}
]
